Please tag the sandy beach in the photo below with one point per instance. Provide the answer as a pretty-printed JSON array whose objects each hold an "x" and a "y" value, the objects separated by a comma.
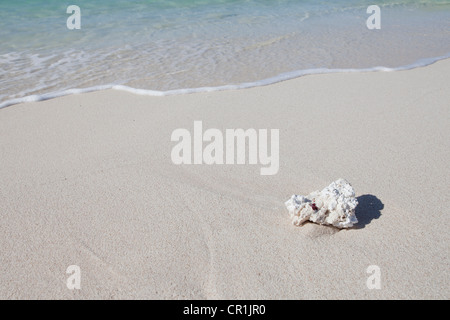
[{"x": 88, "y": 180}]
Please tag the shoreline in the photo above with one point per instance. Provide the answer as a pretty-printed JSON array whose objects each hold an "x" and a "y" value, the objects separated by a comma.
[
  {"x": 88, "y": 180},
  {"x": 245, "y": 85}
]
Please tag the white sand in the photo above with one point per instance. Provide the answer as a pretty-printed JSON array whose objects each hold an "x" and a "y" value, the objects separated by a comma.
[{"x": 88, "y": 180}]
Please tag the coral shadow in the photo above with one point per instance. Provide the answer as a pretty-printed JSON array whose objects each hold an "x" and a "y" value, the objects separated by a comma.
[{"x": 369, "y": 207}]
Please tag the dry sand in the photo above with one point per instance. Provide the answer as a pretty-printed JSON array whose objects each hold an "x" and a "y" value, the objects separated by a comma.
[{"x": 88, "y": 180}]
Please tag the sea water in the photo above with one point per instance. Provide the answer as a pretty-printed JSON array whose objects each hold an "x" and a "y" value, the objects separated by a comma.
[{"x": 169, "y": 47}]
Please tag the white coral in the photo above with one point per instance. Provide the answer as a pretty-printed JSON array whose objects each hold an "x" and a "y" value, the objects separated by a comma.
[{"x": 335, "y": 205}]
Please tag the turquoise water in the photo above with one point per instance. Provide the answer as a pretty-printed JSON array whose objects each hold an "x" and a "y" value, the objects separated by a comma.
[{"x": 167, "y": 45}]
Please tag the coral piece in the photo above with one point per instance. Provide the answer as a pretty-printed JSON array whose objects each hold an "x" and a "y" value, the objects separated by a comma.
[{"x": 335, "y": 205}]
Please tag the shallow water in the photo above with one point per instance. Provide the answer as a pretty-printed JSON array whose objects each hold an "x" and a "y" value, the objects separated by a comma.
[{"x": 170, "y": 45}]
